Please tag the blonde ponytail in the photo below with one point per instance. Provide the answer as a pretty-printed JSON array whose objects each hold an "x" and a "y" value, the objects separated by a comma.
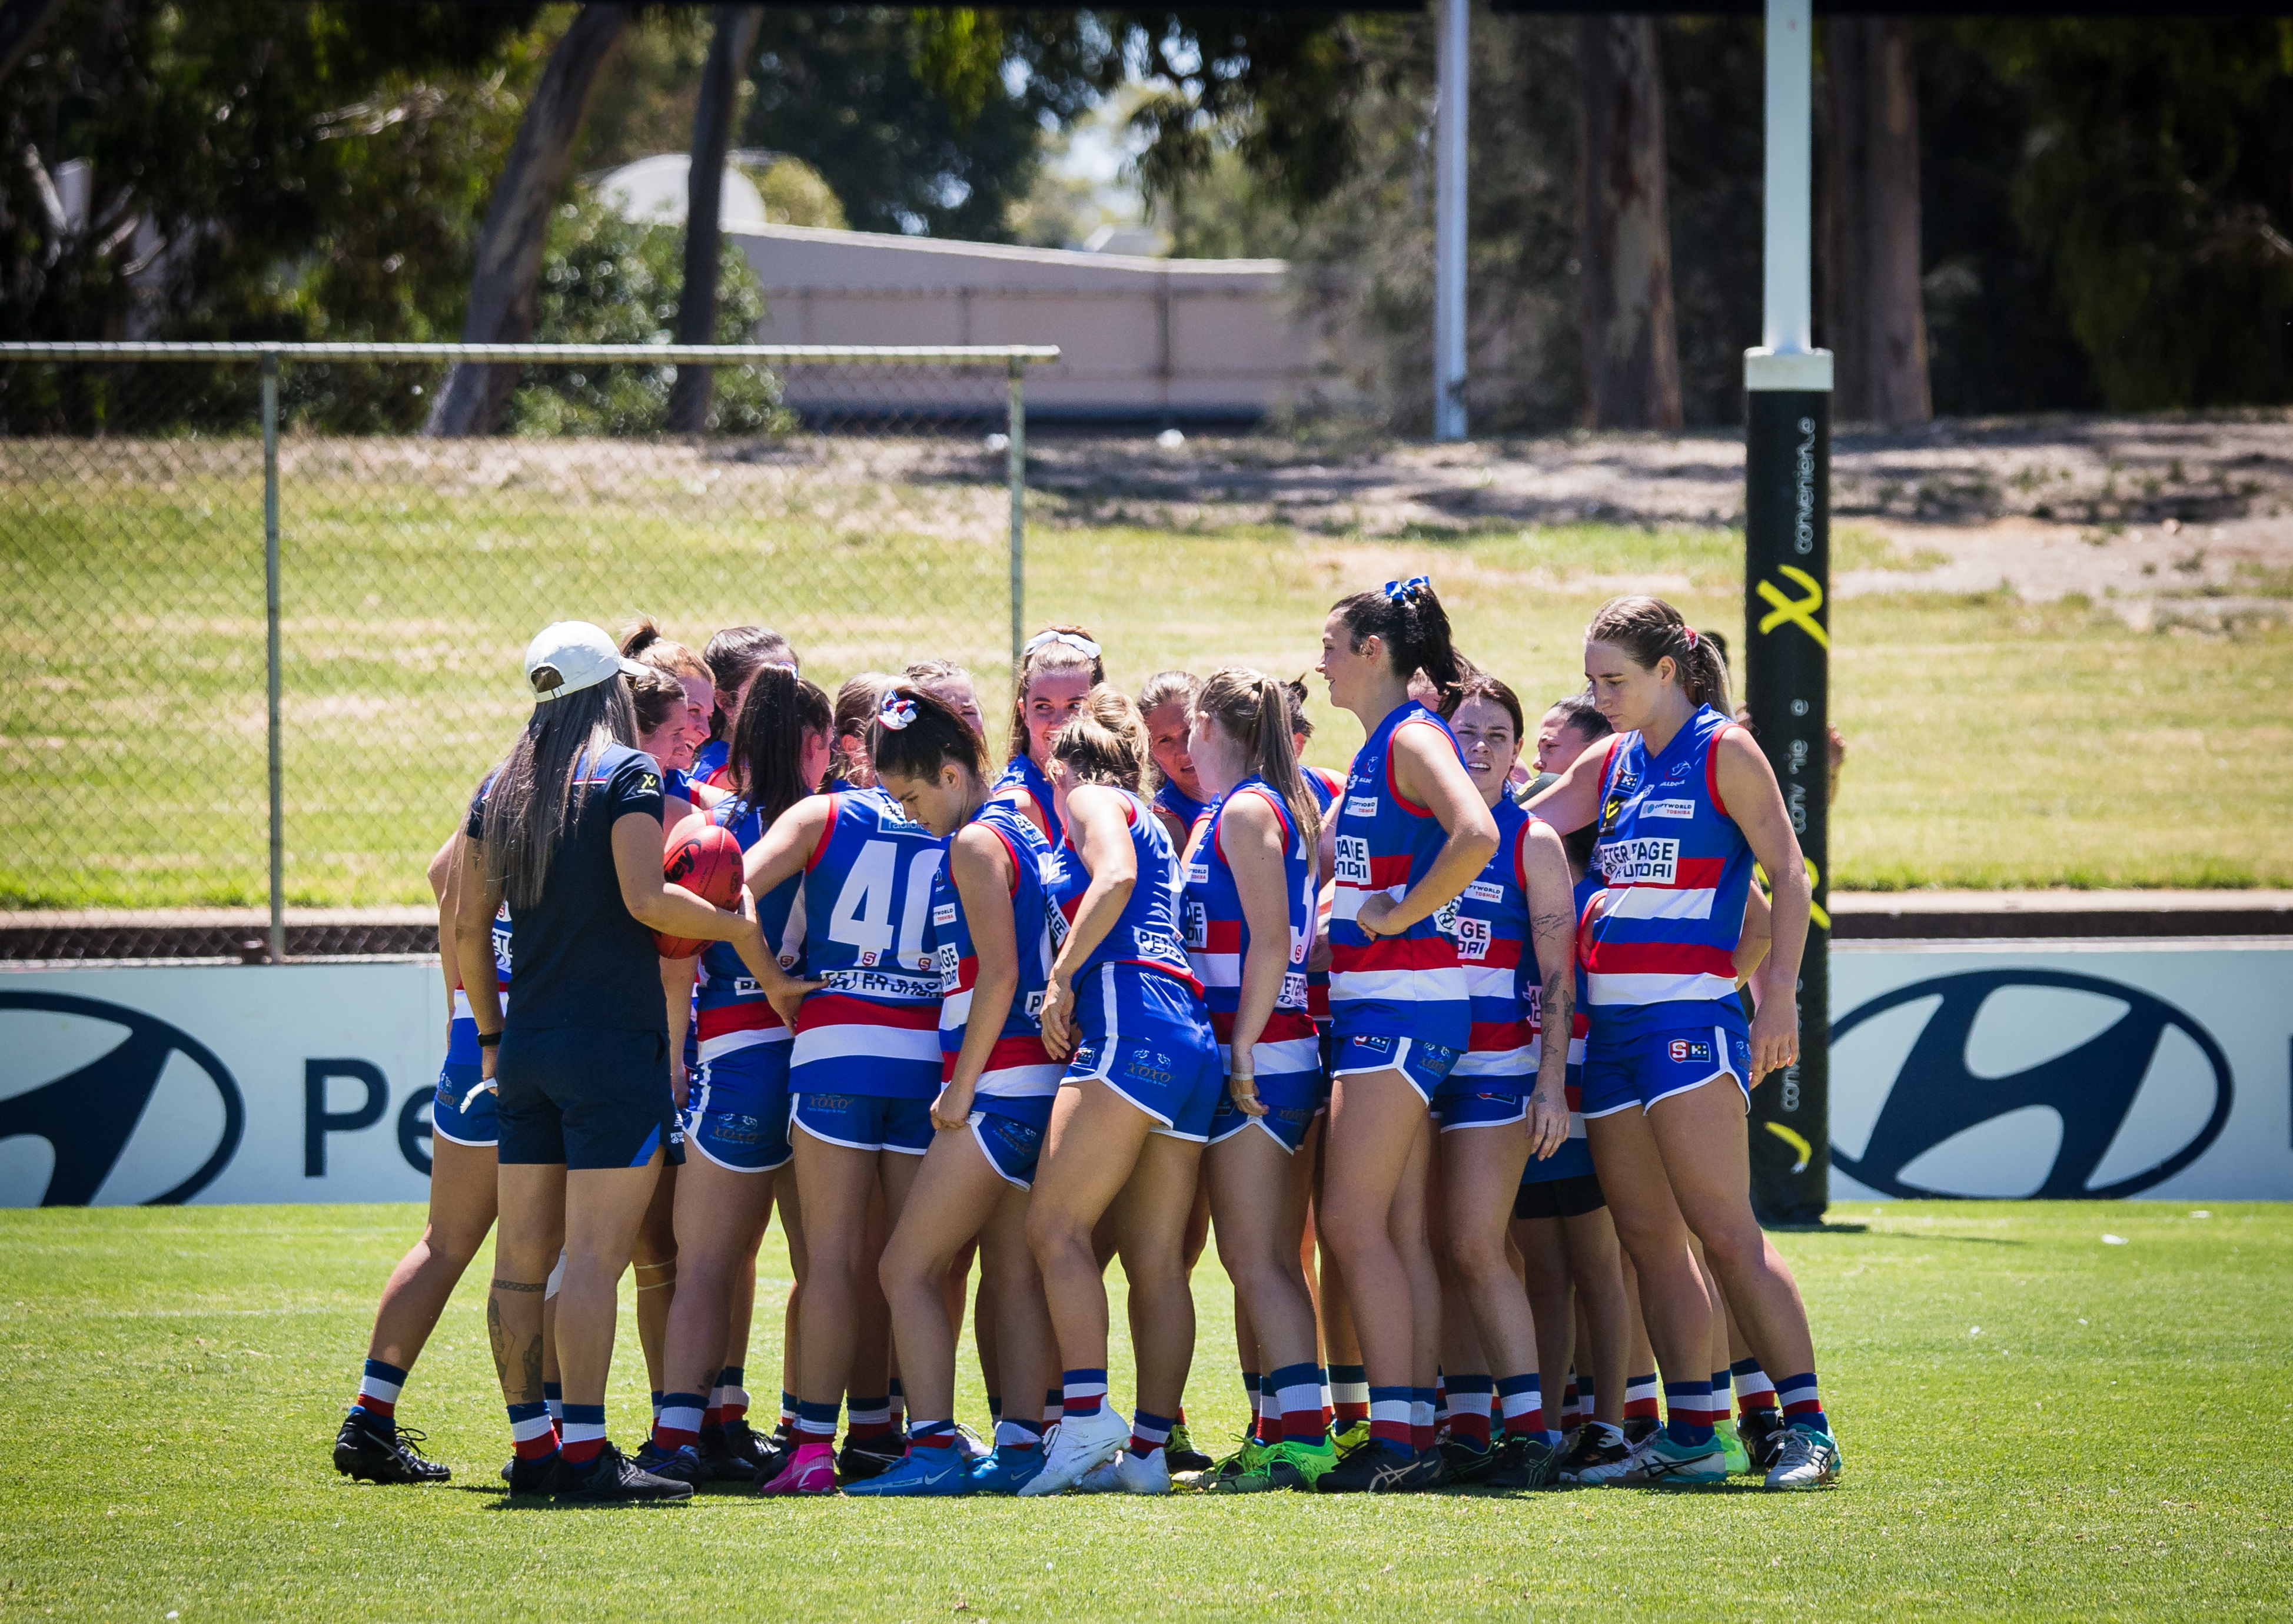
[{"x": 1255, "y": 709}]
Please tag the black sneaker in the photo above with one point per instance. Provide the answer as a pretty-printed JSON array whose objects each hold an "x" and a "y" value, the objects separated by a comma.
[
  {"x": 614, "y": 1480},
  {"x": 378, "y": 1450},
  {"x": 682, "y": 1465},
  {"x": 856, "y": 1463},
  {"x": 1599, "y": 1451},
  {"x": 730, "y": 1452},
  {"x": 1639, "y": 1429},
  {"x": 1378, "y": 1467},
  {"x": 1522, "y": 1462},
  {"x": 1466, "y": 1462},
  {"x": 537, "y": 1476},
  {"x": 1762, "y": 1431}
]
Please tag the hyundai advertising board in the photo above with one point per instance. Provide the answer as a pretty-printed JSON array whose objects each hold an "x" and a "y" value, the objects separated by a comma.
[{"x": 2007, "y": 1070}]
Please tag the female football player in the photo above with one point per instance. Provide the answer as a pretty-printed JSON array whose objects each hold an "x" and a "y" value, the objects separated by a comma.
[
  {"x": 1685, "y": 803},
  {"x": 736, "y": 1118},
  {"x": 991, "y": 918},
  {"x": 1412, "y": 832},
  {"x": 733, "y": 657},
  {"x": 1515, "y": 931},
  {"x": 1122, "y": 1008},
  {"x": 1166, "y": 705},
  {"x": 1249, "y": 904},
  {"x": 864, "y": 1071},
  {"x": 1057, "y": 667}
]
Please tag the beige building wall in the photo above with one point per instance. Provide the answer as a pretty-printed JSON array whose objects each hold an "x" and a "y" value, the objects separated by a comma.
[{"x": 1205, "y": 338}]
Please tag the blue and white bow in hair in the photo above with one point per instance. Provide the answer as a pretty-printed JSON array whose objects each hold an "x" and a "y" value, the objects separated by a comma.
[
  {"x": 1402, "y": 592},
  {"x": 896, "y": 712}
]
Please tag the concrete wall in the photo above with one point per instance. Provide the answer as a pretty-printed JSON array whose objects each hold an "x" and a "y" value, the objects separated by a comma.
[{"x": 1141, "y": 338}]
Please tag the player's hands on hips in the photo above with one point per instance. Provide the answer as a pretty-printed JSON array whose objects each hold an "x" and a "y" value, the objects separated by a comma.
[
  {"x": 1775, "y": 1035},
  {"x": 1058, "y": 1015},
  {"x": 1548, "y": 1121},
  {"x": 1372, "y": 915},
  {"x": 1243, "y": 1086}
]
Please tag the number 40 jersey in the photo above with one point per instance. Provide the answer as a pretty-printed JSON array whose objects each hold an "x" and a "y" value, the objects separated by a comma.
[{"x": 874, "y": 1027}]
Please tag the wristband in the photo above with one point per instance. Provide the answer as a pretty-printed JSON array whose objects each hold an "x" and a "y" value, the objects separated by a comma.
[{"x": 489, "y": 1040}]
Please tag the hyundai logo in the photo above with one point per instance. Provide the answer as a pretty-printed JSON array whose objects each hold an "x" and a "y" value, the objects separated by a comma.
[
  {"x": 1965, "y": 1080},
  {"x": 107, "y": 1063}
]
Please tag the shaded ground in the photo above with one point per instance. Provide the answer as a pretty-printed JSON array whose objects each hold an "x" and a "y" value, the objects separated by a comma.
[{"x": 2181, "y": 519}]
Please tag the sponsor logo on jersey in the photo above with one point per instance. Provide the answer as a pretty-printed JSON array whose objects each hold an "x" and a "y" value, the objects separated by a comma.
[
  {"x": 1361, "y": 806},
  {"x": 1198, "y": 873},
  {"x": 943, "y": 913},
  {"x": 1353, "y": 859},
  {"x": 1035, "y": 1005},
  {"x": 878, "y": 983},
  {"x": 1667, "y": 808},
  {"x": 951, "y": 967},
  {"x": 1445, "y": 917},
  {"x": 1154, "y": 945},
  {"x": 1644, "y": 861},
  {"x": 1473, "y": 938},
  {"x": 1689, "y": 1050},
  {"x": 1485, "y": 890}
]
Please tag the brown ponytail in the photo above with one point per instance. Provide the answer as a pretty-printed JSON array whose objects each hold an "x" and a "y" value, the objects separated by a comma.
[
  {"x": 1650, "y": 630},
  {"x": 1255, "y": 709}
]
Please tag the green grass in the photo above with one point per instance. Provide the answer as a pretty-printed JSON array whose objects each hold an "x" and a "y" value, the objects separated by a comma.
[
  {"x": 1994, "y": 744},
  {"x": 2108, "y": 1445}
]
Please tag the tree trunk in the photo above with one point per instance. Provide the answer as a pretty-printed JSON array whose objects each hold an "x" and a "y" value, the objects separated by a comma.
[
  {"x": 1632, "y": 347},
  {"x": 1877, "y": 325},
  {"x": 712, "y": 139},
  {"x": 517, "y": 221},
  {"x": 20, "y": 22}
]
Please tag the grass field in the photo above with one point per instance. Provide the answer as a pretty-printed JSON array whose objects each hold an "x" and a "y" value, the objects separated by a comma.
[
  {"x": 2036, "y": 1425},
  {"x": 1993, "y": 743}
]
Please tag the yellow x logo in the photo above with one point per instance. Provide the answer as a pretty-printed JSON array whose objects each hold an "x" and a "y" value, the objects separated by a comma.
[
  {"x": 1815, "y": 914},
  {"x": 1800, "y": 613}
]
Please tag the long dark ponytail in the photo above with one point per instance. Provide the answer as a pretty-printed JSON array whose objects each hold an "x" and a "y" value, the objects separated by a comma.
[
  {"x": 1408, "y": 618},
  {"x": 767, "y": 751}
]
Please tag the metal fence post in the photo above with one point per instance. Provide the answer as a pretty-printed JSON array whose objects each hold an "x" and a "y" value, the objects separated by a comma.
[
  {"x": 271, "y": 658},
  {"x": 1016, "y": 473}
]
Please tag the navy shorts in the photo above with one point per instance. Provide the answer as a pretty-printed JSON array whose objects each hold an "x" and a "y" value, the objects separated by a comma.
[
  {"x": 1483, "y": 1101},
  {"x": 737, "y": 1113},
  {"x": 1424, "y": 1066},
  {"x": 1010, "y": 1133},
  {"x": 464, "y": 1110},
  {"x": 1145, "y": 1036},
  {"x": 585, "y": 1096},
  {"x": 1569, "y": 1198},
  {"x": 1293, "y": 1099},
  {"x": 1653, "y": 1066},
  {"x": 867, "y": 1122}
]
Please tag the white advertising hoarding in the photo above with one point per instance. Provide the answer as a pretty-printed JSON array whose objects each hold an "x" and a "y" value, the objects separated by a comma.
[{"x": 2153, "y": 1069}]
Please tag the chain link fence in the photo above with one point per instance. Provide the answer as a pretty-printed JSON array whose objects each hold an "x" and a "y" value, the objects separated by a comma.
[{"x": 263, "y": 632}]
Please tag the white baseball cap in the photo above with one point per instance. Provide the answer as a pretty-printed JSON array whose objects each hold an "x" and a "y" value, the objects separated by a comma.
[{"x": 572, "y": 655}]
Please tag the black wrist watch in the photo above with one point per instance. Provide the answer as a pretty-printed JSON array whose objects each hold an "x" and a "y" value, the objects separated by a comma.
[{"x": 489, "y": 1040}]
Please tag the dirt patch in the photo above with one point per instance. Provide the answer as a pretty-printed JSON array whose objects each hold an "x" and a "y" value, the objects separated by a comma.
[{"x": 2169, "y": 520}]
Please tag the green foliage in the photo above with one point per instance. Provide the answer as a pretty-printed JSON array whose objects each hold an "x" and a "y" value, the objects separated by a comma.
[
  {"x": 605, "y": 280},
  {"x": 924, "y": 122},
  {"x": 260, "y": 168},
  {"x": 2154, "y": 181}
]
